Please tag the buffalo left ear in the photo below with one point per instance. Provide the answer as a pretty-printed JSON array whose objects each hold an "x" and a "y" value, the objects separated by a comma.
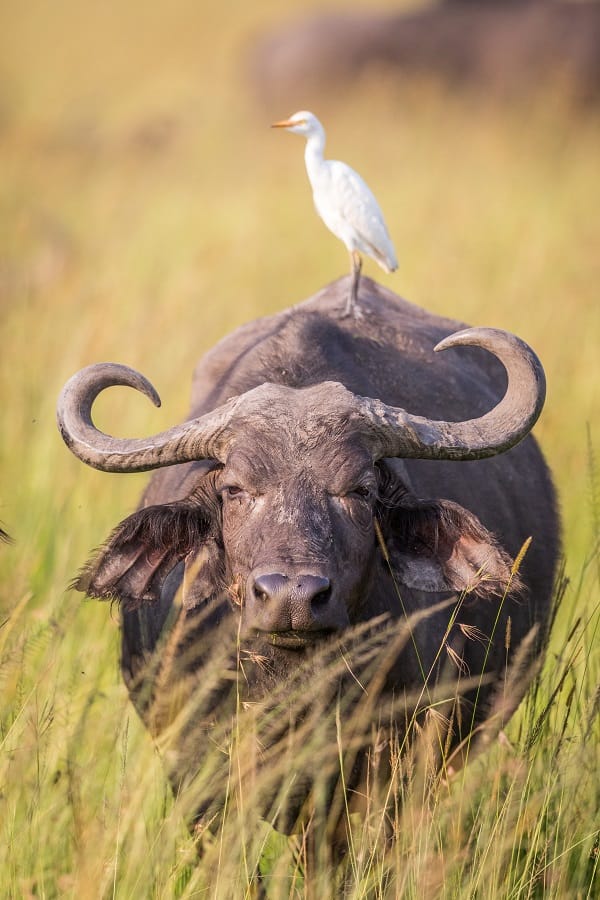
[
  {"x": 440, "y": 546},
  {"x": 203, "y": 573}
]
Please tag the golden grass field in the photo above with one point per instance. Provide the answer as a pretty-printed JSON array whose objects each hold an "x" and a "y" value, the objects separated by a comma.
[{"x": 146, "y": 210}]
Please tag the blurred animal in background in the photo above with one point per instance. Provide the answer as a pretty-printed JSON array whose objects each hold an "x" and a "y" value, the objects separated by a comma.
[
  {"x": 501, "y": 47},
  {"x": 302, "y": 510},
  {"x": 344, "y": 202}
]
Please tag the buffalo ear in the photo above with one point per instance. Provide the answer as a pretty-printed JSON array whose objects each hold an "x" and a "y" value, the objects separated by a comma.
[
  {"x": 440, "y": 546},
  {"x": 204, "y": 573},
  {"x": 135, "y": 561}
]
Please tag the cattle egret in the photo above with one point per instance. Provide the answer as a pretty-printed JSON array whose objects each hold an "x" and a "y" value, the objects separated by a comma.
[{"x": 344, "y": 202}]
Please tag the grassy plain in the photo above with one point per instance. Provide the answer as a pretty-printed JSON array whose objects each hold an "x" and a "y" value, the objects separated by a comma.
[{"x": 147, "y": 209}]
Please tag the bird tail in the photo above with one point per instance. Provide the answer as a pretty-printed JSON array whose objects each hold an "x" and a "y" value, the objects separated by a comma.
[
  {"x": 389, "y": 265},
  {"x": 387, "y": 260}
]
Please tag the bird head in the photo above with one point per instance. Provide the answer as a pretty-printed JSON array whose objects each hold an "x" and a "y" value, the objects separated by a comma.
[{"x": 302, "y": 122}]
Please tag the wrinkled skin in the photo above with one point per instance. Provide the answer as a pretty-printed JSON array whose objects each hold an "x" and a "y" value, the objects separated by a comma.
[
  {"x": 298, "y": 535},
  {"x": 281, "y": 515}
]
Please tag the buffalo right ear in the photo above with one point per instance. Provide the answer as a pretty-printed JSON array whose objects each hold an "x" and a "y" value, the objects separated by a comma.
[{"x": 133, "y": 564}]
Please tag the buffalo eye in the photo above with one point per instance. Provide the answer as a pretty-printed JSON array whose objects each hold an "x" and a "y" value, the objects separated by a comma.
[
  {"x": 232, "y": 490},
  {"x": 360, "y": 492}
]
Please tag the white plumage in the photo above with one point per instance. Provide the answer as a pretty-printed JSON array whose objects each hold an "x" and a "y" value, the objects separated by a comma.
[{"x": 344, "y": 202}]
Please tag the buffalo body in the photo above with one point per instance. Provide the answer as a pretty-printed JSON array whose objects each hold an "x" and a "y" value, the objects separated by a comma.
[{"x": 297, "y": 533}]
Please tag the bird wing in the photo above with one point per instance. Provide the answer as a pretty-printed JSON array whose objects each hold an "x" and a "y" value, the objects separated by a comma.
[{"x": 352, "y": 212}]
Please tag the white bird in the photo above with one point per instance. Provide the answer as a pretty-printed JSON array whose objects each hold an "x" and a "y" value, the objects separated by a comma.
[{"x": 344, "y": 202}]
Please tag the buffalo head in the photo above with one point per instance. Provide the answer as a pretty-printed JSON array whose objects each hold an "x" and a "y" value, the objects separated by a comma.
[{"x": 298, "y": 487}]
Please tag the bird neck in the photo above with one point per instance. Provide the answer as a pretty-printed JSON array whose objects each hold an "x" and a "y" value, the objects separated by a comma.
[{"x": 313, "y": 154}]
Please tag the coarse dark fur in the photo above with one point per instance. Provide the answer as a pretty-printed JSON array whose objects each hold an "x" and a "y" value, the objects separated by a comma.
[{"x": 297, "y": 496}]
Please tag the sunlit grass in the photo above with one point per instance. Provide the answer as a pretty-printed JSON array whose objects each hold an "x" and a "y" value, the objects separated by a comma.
[
  {"x": 147, "y": 209},
  {"x": 87, "y": 810}
]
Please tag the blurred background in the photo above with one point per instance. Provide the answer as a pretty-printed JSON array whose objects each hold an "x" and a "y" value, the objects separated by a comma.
[{"x": 147, "y": 209}]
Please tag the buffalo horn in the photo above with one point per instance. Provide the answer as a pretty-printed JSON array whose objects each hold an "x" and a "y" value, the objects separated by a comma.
[
  {"x": 390, "y": 431},
  {"x": 201, "y": 438},
  {"x": 394, "y": 432}
]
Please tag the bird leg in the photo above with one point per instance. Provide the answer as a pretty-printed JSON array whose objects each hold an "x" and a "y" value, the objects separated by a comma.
[{"x": 352, "y": 302}]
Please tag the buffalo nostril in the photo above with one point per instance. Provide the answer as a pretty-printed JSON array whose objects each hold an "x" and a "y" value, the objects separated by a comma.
[
  {"x": 315, "y": 588},
  {"x": 268, "y": 586},
  {"x": 322, "y": 597}
]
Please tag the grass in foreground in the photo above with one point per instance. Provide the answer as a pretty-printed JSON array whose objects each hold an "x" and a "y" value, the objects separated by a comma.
[{"x": 87, "y": 811}]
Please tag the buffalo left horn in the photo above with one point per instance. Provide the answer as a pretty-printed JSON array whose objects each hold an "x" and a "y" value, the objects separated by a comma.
[{"x": 394, "y": 432}]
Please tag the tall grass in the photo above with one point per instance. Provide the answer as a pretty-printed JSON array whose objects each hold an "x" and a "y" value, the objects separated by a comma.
[
  {"x": 88, "y": 813},
  {"x": 146, "y": 210}
]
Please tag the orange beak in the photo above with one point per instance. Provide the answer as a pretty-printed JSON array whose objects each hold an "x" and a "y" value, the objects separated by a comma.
[{"x": 285, "y": 123}]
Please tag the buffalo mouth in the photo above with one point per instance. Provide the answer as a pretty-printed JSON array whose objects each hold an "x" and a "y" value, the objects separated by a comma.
[{"x": 297, "y": 640}]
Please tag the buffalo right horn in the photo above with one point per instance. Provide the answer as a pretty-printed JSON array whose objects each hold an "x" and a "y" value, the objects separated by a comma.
[{"x": 202, "y": 438}]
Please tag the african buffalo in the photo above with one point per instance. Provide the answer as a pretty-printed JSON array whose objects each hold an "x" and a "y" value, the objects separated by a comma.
[
  {"x": 335, "y": 473},
  {"x": 500, "y": 48}
]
